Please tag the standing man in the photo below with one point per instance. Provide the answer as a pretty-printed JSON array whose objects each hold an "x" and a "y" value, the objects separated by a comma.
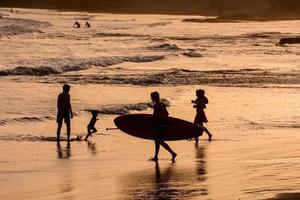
[{"x": 64, "y": 111}]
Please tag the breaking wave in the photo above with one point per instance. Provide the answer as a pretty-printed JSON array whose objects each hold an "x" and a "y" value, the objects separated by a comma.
[
  {"x": 127, "y": 108},
  {"x": 25, "y": 119},
  {"x": 32, "y": 71},
  {"x": 167, "y": 47},
  {"x": 119, "y": 35},
  {"x": 14, "y": 26},
  {"x": 223, "y": 78},
  {"x": 11, "y": 30},
  {"x": 81, "y": 65},
  {"x": 192, "y": 53},
  {"x": 273, "y": 124}
]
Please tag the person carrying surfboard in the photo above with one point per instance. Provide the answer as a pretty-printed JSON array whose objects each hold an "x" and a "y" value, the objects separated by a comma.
[
  {"x": 160, "y": 113},
  {"x": 64, "y": 111},
  {"x": 200, "y": 105}
]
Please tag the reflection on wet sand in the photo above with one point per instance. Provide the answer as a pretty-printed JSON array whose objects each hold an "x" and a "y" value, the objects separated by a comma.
[
  {"x": 169, "y": 182},
  {"x": 200, "y": 163},
  {"x": 92, "y": 147},
  {"x": 63, "y": 153},
  {"x": 65, "y": 185}
]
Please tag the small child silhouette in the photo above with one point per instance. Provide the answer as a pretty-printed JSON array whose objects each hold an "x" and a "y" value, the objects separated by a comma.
[
  {"x": 91, "y": 126},
  {"x": 200, "y": 105}
]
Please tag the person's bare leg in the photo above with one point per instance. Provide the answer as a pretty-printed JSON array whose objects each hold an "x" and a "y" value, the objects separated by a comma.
[
  {"x": 94, "y": 130},
  {"x": 68, "y": 130},
  {"x": 196, "y": 141},
  {"x": 168, "y": 148},
  {"x": 208, "y": 133},
  {"x": 88, "y": 134},
  {"x": 59, "y": 124},
  {"x": 155, "y": 158}
]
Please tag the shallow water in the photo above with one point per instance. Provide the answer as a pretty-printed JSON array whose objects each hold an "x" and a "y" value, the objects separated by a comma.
[{"x": 253, "y": 110}]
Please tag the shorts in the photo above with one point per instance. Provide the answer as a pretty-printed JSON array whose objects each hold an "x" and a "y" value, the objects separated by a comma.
[{"x": 63, "y": 114}]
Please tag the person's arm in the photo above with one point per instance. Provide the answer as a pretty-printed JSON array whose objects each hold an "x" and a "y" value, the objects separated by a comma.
[
  {"x": 196, "y": 103},
  {"x": 58, "y": 101},
  {"x": 70, "y": 107},
  {"x": 165, "y": 110},
  {"x": 205, "y": 100}
]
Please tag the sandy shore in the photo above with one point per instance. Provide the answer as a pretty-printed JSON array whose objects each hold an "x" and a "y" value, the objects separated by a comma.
[{"x": 245, "y": 160}]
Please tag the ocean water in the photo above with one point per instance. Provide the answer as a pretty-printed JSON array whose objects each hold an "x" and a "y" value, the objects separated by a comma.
[{"x": 252, "y": 86}]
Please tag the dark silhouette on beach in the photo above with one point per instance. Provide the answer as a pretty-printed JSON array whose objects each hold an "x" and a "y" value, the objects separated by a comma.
[
  {"x": 200, "y": 163},
  {"x": 87, "y": 25},
  {"x": 63, "y": 153},
  {"x": 200, "y": 118},
  {"x": 160, "y": 113},
  {"x": 91, "y": 126},
  {"x": 165, "y": 182},
  {"x": 64, "y": 112},
  {"x": 92, "y": 147},
  {"x": 76, "y": 24}
]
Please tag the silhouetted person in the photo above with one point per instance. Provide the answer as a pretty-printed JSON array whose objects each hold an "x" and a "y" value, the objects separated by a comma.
[
  {"x": 64, "y": 111},
  {"x": 160, "y": 114},
  {"x": 200, "y": 105},
  {"x": 87, "y": 25},
  {"x": 76, "y": 24},
  {"x": 91, "y": 126},
  {"x": 11, "y": 10}
]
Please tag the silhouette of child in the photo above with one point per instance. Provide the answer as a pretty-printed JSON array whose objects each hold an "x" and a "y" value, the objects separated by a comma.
[
  {"x": 91, "y": 126},
  {"x": 160, "y": 113},
  {"x": 200, "y": 105}
]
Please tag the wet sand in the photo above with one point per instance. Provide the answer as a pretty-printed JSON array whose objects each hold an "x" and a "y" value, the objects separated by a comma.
[{"x": 245, "y": 160}]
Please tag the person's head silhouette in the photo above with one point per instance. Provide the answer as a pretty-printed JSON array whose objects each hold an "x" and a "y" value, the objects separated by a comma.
[
  {"x": 155, "y": 96},
  {"x": 66, "y": 88}
]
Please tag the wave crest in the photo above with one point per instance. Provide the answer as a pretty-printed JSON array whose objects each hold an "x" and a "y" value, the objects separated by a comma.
[
  {"x": 223, "y": 78},
  {"x": 25, "y": 119},
  {"x": 127, "y": 108},
  {"x": 80, "y": 65},
  {"x": 168, "y": 47}
]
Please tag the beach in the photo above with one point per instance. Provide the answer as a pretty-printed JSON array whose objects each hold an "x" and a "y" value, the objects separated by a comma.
[{"x": 253, "y": 111}]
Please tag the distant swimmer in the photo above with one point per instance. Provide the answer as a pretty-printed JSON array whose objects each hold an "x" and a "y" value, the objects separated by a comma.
[
  {"x": 76, "y": 24},
  {"x": 160, "y": 113},
  {"x": 87, "y": 25},
  {"x": 91, "y": 126},
  {"x": 200, "y": 105},
  {"x": 64, "y": 111},
  {"x": 11, "y": 10},
  {"x": 284, "y": 41}
]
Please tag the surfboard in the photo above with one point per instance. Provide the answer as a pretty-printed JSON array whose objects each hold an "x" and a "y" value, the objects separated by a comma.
[{"x": 147, "y": 127}]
